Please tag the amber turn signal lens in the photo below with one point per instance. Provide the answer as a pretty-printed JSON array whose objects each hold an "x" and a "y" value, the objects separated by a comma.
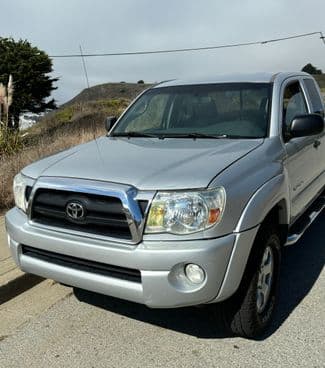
[{"x": 214, "y": 215}]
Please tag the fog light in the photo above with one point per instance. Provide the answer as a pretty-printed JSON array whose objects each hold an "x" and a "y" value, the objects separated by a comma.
[{"x": 194, "y": 273}]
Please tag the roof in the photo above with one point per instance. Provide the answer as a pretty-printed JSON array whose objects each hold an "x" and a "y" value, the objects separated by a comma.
[{"x": 265, "y": 77}]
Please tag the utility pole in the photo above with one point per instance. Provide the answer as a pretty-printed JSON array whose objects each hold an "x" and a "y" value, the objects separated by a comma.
[
  {"x": 84, "y": 66},
  {"x": 322, "y": 37}
]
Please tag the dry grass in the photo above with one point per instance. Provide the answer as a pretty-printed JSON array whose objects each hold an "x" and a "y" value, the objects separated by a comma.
[
  {"x": 11, "y": 165},
  {"x": 10, "y": 140},
  {"x": 90, "y": 112}
]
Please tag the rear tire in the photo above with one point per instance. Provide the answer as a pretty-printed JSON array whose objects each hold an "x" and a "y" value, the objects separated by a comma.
[{"x": 249, "y": 312}]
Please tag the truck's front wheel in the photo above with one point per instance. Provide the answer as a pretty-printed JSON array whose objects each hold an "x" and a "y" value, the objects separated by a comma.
[{"x": 249, "y": 312}]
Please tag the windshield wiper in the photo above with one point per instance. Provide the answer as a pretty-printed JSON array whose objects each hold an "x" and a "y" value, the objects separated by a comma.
[
  {"x": 134, "y": 134},
  {"x": 204, "y": 135},
  {"x": 194, "y": 135}
]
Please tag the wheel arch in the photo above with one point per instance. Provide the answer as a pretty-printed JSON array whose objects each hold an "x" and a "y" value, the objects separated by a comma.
[{"x": 271, "y": 200}]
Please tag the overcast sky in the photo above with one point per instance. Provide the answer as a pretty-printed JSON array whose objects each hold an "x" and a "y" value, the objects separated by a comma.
[{"x": 58, "y": 27}]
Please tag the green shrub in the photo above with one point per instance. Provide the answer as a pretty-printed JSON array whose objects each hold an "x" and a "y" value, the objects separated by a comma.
[{"x": 64, "y": 115}]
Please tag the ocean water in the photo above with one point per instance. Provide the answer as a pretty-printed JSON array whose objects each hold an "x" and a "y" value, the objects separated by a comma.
[{"x": 28, "y": 119}]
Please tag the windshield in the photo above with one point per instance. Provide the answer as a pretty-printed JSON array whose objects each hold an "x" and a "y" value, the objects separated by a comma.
[{"x": 217, "y": 110}]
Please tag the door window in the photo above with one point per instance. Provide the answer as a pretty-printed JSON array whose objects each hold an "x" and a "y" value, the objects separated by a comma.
[
  {"x": 294, "y": 104},
  {"x": 316, "y": 102}
]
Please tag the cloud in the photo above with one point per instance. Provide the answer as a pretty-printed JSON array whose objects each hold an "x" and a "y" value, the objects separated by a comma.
[{"x": 108, "y": 26}]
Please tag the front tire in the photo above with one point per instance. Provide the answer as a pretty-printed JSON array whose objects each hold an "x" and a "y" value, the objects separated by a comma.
[{"x": 249, "y": 312}]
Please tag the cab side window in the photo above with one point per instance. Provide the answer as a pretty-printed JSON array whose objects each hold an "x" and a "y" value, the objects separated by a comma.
[{"x": 294, "y": 103}]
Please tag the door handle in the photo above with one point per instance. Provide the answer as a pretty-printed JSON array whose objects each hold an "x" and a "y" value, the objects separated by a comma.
[{"x": 316, "y": 143}]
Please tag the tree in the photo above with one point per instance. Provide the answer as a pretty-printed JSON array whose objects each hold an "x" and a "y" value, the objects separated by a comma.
[
  {"x": 30, "y": 68},
  {"x": 309, "y": 68},
  {"x": 140, "y": 81}
]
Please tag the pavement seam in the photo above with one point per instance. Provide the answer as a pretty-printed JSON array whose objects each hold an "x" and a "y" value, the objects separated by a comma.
[
  {"x": 4, "y": 259},
  {"x": 11, "y": 269}
]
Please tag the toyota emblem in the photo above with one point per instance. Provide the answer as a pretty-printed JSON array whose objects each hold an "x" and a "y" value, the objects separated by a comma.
[{"x": 75, "y": 211}]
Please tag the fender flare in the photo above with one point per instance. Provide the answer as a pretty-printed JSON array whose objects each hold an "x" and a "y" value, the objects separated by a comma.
[{"x": 270, "y": 194}]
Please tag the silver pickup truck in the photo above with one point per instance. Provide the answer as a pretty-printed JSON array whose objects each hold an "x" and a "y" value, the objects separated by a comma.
[{"x": 188, "y": 199}]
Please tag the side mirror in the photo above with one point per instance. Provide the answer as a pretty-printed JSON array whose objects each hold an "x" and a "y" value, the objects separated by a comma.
[
  {"x": 306, "y": 125},
  {"x": 109, "y": 122}
]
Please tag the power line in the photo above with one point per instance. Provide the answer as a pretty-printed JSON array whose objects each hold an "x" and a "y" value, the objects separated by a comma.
[{"x": 193, "y": 48}]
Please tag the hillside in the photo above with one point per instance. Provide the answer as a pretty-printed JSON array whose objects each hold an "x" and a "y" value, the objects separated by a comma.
[
  {"x": 108, "y": 91},
  {"x": 88, "y": 108}
]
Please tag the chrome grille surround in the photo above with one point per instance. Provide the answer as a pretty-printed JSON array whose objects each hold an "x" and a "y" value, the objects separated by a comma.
[{"x": 128, "y": 195}]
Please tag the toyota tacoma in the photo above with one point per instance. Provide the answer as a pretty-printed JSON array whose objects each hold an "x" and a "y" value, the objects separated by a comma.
[{"x": 188, "y": 200}]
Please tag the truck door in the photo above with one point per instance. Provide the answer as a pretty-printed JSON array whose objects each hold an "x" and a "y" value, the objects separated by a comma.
[{"x": 300, "y": 151}]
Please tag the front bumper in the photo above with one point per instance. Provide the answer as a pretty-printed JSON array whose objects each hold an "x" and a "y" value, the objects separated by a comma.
[{"x": 161, "y": 263}]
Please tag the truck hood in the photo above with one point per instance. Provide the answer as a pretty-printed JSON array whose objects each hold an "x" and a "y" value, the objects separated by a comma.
[{"x": 146, "y": 163}]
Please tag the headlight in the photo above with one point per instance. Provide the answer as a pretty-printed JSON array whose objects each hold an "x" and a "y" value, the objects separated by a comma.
[
  {"x": 19, "y": 189},
  {"x": 186, "y": 212}
]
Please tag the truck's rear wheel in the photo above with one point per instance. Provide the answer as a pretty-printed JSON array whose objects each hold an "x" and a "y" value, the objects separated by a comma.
[{"x": 249, "y": 312}]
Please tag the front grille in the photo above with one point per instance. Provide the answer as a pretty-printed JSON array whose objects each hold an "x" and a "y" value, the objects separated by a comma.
[
  {"x": 75, "y": 263},
  {"x": 103, "y": 215}
]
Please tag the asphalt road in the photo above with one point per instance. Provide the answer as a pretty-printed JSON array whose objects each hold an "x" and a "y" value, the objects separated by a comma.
[{"x": 97, "y": 331}]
